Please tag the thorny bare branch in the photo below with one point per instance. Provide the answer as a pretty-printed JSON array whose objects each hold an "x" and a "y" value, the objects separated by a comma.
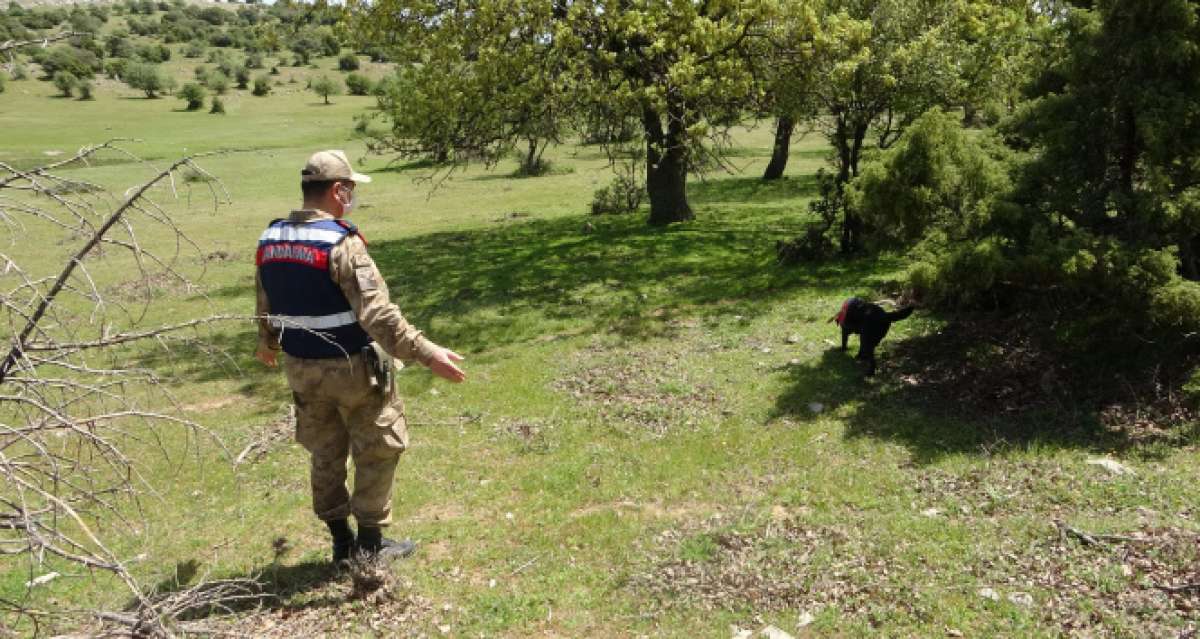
[{"x": 72, "y": 400}]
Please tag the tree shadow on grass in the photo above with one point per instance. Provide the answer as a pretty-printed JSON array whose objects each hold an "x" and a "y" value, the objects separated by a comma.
[
  {"x": 506, "y": 285},
  {"x": 984, "y": 385}
]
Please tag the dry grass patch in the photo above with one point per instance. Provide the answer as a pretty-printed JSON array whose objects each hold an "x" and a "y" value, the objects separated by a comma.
[{"x": 652, "y": 388}]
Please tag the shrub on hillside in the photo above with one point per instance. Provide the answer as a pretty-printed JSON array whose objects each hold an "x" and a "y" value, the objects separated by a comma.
[
  {"x": 194, "y": 49},
  {"x": 86, "y": 91},
  {"x": 78, "y": 62},
  {"x": 193, "y": 94},
  {"x": 218, "y": 107},
  {"x": 217, "y": 82},
  {"x": 115, "y": 69},
  {"x": 65, "y": 82},
  {"x": 149, "y": 78},
  {"x": 623, "y": 195},
  {"x": 19, "y": 72},
  {"x": 358, "y": 84},
  {"x": 262, "y": 86},
  {"x": 154, "y": 53},
  {"x": 348, "y": 62},
  {"x": 242, "y": 76}
]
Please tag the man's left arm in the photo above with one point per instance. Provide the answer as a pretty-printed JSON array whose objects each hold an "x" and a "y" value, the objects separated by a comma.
[{"x": 268, "y": 336}]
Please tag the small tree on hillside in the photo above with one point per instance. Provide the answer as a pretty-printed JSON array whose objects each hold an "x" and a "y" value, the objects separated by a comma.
[
  {"x": 242, "y": 74},
  {"x": 326, "y": 86},
  {"x": 65, "y": 82},
  {"x": 348, "y": 62},
  {"x": 262, "y": 86},
  {"x": 218, "y": 82},
  {"x": 85, "y": 90},
  {"x": 194, "y": 94},
  {"x": 358, "y": 84},
  {"x": 149, "y": 78}
]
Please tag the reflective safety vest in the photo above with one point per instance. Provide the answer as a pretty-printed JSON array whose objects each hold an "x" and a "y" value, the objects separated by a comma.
[{"x": 313, "y": 316}]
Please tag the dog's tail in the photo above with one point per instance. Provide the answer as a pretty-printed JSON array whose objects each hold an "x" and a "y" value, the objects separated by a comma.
[{"x": 902, "y": 314}]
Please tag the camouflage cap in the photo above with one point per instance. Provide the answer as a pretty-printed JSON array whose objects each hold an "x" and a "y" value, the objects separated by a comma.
[{"x": 324, "y": 166}]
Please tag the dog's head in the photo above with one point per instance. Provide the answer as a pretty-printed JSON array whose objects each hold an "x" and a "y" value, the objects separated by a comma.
[{"x": 841, "y": 316}]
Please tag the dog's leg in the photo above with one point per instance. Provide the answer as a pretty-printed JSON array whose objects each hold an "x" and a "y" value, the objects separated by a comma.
[
  {"x": 845, "y": 336},
  {"x": 866, "y": 353}
]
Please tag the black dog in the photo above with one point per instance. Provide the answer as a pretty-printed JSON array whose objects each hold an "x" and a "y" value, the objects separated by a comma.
[{"x": 870, "y": 322}]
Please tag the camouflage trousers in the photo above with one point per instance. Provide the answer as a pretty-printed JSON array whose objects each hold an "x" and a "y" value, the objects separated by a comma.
[{"x": 339, "y": 415}]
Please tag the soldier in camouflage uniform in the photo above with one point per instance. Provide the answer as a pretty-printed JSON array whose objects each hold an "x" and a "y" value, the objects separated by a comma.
[{"x": 321, "y": 299}]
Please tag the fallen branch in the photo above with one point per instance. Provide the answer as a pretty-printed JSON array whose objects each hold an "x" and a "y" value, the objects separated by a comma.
[
  {"x": 1180, "y": 588},
  {"x": 1089, "y": 538},
  {"x": 13, "y": 45}
]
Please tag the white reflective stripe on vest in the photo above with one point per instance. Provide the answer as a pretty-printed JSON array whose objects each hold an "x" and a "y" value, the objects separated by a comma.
[
  {"x": 300, "y": 234},
  {"x": 313, "y": 322}
]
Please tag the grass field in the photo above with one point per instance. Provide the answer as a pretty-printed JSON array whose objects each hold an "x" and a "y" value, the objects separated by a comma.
[{"x": 657, "y": 438}]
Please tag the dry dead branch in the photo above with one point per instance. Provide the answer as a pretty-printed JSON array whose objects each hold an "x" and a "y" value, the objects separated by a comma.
[{"x": 72, "y": 404}]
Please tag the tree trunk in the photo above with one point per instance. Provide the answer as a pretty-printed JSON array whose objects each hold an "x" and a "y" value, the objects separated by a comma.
[
  {"x": 848, "y": 140},
  {"x": 1189, "y": 258},
  {"x": 1127, "y": 160},
  {"x": 529, "y": 167},
  {"x": 666, "y": 169},
  {"x": 783, "y": 141}
]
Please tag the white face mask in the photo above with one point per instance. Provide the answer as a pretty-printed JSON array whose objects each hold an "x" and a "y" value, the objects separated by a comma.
[{"x": 349, "y": 203}]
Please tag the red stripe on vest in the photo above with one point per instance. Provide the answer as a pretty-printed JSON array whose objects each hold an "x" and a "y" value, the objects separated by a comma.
[
  {"x": 841, "y": 316},
  {"x": 293, "y": 253}
]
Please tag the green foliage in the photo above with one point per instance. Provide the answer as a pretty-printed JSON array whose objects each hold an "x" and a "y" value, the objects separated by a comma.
[
  {"x": 473, "y": 85},
  {"x": 935, "y": 182},
  {"x": 193, "y": 94},
  {"x": 3, "y": 81},
  {"x": 218, "y": 107},
  {"x": 326, "y": 86},
  {"x": 242, "y": 76},
  {"x": 623, "y": 195},
  {"x": 217, "y": 82},
  {"x": 262, "y": 86},
  {"x": 359, "y": 84},
  {"x": 154, "y": 53},
  {"x": 194, "y": 49},
  {"x": 85, "y": 88},
  {"x": 19, "y": 72},
  {"x": 149, "y": 78},
  {"x": 115, "y": 68},
  {"x": 348, "y": 62},
  {"x": 65, "y": 82},
  {"x": 78, "y": 62},
  {"x": 118, "y": 45}
]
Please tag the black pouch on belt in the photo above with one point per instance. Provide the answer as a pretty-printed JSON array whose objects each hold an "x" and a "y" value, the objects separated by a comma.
[{"x": 379, "y": 366}]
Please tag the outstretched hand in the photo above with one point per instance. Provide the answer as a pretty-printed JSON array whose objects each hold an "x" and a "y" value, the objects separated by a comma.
[{"x": 442, "y": 365}]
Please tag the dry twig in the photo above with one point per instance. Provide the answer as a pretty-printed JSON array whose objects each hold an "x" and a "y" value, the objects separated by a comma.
[{"x": 70, "y": 404}]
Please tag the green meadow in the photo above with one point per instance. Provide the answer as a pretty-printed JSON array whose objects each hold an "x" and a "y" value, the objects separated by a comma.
[{"x": 658, "y": 436}]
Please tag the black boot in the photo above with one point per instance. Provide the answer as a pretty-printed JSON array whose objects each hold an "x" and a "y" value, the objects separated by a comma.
[
  {"x": 372, "y": 543},
  {"x": 343, "y": 539}
]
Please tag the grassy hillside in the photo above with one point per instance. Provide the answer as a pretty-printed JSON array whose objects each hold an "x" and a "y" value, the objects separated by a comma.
[{"x": 657, "y": 438}]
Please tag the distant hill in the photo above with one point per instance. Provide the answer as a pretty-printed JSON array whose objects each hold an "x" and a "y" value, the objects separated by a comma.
[{"x": 59, "y": 3}]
